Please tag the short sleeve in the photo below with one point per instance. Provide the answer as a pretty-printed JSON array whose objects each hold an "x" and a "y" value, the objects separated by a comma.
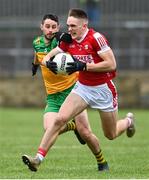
[{"x": 100, "y": 43}]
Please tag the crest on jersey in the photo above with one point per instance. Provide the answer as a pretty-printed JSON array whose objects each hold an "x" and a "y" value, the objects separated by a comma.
[
  {"x": 86, "y": 46},
  {"x": 37, "y": 41}
]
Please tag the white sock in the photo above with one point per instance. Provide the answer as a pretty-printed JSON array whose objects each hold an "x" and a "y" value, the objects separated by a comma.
[
  {"x": 129, "y": 121},
  {"x": 40, "y": 157}
]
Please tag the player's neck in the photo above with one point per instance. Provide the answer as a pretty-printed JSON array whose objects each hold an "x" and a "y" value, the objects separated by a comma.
[
  {"x": 83, "y": 35},
  {"x": 46, "y": 41}
]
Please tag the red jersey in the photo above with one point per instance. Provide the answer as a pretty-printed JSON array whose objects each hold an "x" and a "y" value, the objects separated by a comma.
[{"x": 87, "y": 50}]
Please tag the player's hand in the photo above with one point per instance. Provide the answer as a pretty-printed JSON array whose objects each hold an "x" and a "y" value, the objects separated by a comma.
[
  {"x": 34, "y": 69},
  {"x": 52, "y": 66},
  {"x": 62, "y": 36},
  {"x": 75, "y": 66}
]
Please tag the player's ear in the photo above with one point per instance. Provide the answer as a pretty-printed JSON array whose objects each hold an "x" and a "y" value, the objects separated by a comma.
[
  {"x": 84, "y": 25},
  {"x": 41, "y": 27}
]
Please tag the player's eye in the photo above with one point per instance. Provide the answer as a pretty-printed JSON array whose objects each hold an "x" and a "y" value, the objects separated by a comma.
[
  {"x": 71, "y": 26},
  {"x": 47, "y": 26},
  {"x": 54, "y": 27}
]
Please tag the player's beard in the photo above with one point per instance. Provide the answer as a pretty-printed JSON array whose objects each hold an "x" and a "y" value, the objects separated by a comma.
[{"x": 48, "y": 38}]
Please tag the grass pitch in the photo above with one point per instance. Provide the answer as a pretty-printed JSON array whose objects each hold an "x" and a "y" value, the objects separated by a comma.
[{"x": 21, "y": 131}]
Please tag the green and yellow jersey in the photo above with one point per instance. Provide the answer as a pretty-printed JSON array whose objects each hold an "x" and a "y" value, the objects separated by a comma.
[{"x": 53, "y": 82}]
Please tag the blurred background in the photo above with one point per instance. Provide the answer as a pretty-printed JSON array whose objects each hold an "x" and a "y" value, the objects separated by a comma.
[{"x": 125, "y": 23}]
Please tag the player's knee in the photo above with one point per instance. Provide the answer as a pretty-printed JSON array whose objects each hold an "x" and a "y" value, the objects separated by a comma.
[
  {"x": 60, "y": 121},
  {"x": 110, "y": 136},
  {"x": 85, "y": 133}
]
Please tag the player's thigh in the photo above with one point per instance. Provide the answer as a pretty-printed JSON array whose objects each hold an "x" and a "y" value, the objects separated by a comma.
[
  {"x": 82, "y": 121},
  {"x": 109, "y": 122},
  {"x": 72, "y": 106},
  {"x": 49, "y": 119}
]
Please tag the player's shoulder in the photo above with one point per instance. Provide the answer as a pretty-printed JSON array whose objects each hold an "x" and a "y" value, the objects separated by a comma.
[
  {"x": 96, "y": 34},
  {"x": 99, "y": 37},
  {"x": 37, "y": 40},
  {"x": 54, "y": 40}
]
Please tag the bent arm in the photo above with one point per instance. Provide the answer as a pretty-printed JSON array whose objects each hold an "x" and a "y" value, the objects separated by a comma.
[
  {"x": 52, "y": 53},
  {"x": 108, "y": 64}
]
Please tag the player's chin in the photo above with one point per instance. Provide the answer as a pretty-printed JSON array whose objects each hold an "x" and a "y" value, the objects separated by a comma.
[{"x": 49, "y": 37}]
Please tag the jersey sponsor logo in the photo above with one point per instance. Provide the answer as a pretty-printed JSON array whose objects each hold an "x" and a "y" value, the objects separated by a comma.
[{"x": 84, "y": 58}]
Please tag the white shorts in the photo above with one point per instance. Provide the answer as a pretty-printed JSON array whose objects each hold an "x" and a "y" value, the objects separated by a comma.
[{"x": 102, "y": 97}]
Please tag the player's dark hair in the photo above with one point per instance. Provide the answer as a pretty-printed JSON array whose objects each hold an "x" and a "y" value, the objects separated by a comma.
[
  {"x": 78, "y": 13},
  {"x": 50, "y": 16}
]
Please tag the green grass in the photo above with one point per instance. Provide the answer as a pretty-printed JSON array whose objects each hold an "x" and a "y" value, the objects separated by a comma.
[{"x": 21, "y": 131}]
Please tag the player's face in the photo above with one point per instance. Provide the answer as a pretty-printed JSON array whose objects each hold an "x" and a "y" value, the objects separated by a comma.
[
  {"x": 49, "y": 27},
  {"x": 76, "y": 27}
]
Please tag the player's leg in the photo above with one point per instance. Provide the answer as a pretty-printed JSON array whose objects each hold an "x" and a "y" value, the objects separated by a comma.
[
  {"x": 113, "y": 127},
  {"x": 108, "y": 110},
  {"x": 54, "y": 102},
  {"x": 48, "y": 122},
  {"x": 92, "y": 141},
  {"x": 49, "y": 119},
  {"x": 77, "y": 133},
  {"x": 72, "y": 106},
  {"x": 71, "y": 125},
  {"x": 47, "y": 141}
]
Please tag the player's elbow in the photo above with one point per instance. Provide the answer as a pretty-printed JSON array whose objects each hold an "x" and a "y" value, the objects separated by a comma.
[{"x": 113, "y": 67}]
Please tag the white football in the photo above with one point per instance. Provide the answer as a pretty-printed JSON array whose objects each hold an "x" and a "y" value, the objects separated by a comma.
[{"x": 62, "y": 59}]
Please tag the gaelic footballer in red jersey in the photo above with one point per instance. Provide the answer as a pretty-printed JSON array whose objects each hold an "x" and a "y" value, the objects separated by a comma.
[{"x": 95, "y": 89}]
